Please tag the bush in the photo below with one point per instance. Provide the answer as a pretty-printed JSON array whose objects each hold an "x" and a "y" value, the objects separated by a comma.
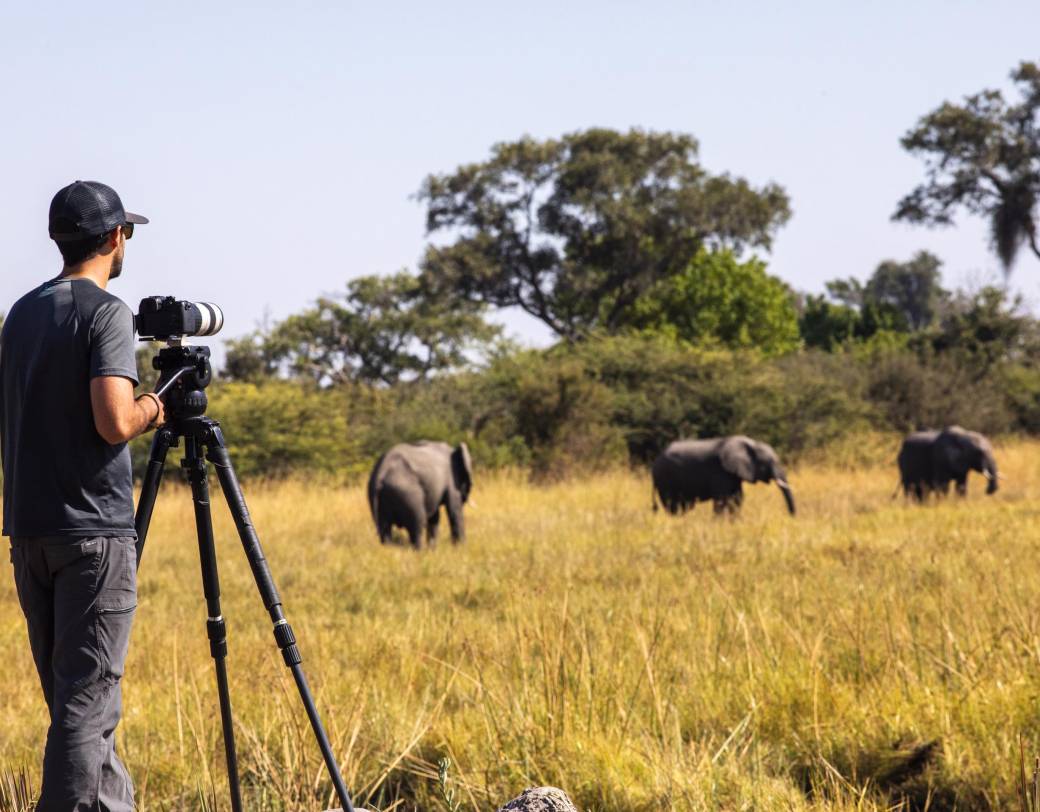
[
  {"x": 277, "y": 428},
  {"x": 612, "y": 399}
]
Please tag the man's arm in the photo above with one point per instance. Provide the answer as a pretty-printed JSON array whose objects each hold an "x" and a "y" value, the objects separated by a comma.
[{"x": 119, "y": 418}]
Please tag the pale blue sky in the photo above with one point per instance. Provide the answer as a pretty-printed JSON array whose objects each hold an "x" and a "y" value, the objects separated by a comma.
[{"x": 276, "y": 147}]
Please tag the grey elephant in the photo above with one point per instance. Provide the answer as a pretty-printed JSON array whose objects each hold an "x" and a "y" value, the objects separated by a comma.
[
  {"x": 691, "y": 471},
  {"x": 411, "y": 482},
  {"x": 930, "y": 460}
]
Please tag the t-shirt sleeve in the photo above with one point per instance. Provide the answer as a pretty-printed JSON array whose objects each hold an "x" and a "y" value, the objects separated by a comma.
[{"x": 112, "y": 342}]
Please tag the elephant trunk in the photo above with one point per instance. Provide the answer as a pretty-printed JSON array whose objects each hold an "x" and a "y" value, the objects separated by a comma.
[
  {"x": 989, "y": 470},
  {"x": 785, "y": 489}
]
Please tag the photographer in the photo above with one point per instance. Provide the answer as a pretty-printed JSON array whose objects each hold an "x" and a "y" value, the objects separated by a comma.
[{"x": 68, "y": 372}]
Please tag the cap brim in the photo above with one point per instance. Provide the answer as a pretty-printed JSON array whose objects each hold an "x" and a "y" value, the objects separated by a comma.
[{"x": 136, "y": 218}]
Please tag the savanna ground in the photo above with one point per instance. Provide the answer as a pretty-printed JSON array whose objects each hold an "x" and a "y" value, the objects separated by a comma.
[{"x": 862, "y": 655}]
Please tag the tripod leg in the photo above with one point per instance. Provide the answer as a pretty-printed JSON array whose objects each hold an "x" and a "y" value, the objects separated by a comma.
[
  {"x": 217, "y": 453},
  {"x": 161, "y": 443},
  {"x": 215, "y": 627}
]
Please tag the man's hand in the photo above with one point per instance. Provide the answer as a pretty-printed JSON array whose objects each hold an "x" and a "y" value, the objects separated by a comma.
[{"x": 118, "y": 417}]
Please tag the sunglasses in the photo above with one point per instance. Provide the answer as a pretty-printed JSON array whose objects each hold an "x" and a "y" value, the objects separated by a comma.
[{"x": 128, "y": 230}]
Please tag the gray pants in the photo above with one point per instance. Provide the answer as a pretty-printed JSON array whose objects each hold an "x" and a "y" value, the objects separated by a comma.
[{"x": 79, "y": 596}]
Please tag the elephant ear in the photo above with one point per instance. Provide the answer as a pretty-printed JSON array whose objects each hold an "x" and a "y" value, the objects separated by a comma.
[
  {"x": 954, "y": 446},
  {"x": 738, "y": 458},
  {"x": 462, "y": 469}
]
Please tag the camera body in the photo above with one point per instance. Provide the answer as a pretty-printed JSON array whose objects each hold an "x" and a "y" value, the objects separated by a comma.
[{"x": 163, "y": 318}]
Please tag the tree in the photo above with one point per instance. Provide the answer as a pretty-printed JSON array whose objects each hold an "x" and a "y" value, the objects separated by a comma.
[
  {"x": 828, "y": 326},
  {"x": 903, "y": 296},
  {"x": 912, "y": 289},
  {"x": 717, "y": 299},
  {"x": 383, "y": 330},
  {"x": 983, "y": 156},
  {"x": 573, "y": 231},
  {"x": 983, "y": 329}
]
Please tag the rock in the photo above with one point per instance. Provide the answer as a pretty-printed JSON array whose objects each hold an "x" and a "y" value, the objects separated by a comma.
[
  {"x": 540, "y": 799},
  {"x": 535, "y": 799}
]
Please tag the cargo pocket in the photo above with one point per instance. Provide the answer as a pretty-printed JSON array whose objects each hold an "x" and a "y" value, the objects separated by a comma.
[{"x": 117, "y": 600}]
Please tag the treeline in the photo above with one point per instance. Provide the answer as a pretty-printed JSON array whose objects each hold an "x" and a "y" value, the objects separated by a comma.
[
  {"x": 644, "y": 266},
  {"x": 620, "y": 399}
]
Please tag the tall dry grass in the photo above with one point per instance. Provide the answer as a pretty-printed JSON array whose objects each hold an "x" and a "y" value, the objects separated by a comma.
[{"x": 863, "y": 655}]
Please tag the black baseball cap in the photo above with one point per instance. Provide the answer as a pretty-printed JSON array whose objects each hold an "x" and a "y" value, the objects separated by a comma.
[{"x": 87, "y": 208}]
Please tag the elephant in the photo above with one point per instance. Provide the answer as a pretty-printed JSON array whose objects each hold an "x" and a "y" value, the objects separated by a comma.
[
  {"x": 691, "y": 471},
  {"x": 411, "y": 482},
  {"x": 930, "y": 460}
]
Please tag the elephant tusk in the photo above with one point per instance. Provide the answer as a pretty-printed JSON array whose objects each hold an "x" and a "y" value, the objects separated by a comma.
[{"x": 782, "y": 483}]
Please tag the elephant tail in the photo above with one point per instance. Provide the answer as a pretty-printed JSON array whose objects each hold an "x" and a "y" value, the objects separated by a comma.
[
  {"x": 899, "y": 486},
  {"x": 373, "y": 501},
  {"x": 653, "y": 496}
]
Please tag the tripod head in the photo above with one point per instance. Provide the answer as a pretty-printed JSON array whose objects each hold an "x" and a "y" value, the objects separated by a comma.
[{"x": 184, "y": 374}]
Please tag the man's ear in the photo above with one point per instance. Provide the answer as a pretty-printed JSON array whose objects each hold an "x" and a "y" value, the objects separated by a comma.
[{"x": 111, "y": 240}]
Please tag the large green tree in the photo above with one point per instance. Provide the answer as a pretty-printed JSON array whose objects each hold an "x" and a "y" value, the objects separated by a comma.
[
  {"x": 382, "y": 330},
  {"x": 716, "y": 299},
  {"x": 574, "y": 230},
  {"x": 982, "y": 156}
]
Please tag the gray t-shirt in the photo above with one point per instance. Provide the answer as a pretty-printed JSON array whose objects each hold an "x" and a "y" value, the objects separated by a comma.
[{"x": 61, "y": 478}]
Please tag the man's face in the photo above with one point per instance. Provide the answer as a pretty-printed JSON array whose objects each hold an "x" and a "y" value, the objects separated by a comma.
[{"x": 117, "y": 257}]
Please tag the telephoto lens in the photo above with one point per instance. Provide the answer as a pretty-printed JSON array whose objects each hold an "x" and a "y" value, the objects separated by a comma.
[{"x": 211, "y": 318}]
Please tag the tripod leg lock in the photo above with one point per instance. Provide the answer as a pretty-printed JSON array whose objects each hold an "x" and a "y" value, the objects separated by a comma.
[
  {"x": 283, "y": 635},
  {"x": 216, "y": 631}
]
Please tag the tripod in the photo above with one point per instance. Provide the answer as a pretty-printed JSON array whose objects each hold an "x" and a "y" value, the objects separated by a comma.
[{"x": 184, "y": 374}]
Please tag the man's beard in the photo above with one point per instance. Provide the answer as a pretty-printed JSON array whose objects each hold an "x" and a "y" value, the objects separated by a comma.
[{"x": 117, "y": 264}]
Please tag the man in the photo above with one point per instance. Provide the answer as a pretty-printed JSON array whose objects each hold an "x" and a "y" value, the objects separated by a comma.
[{"x": 67, "y": 410}]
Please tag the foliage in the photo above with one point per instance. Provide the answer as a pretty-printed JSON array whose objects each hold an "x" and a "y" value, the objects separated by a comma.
[
  {"x": 383, "y": 330},
  {"x": 574, "y": 230},
  {"x": 828, "y": 326},
  {"x": 276, "y": 428},
  {"x": 982, "y": 156},
  {"x": 898, "y": 298},
  {"x": 147, "y": 374},
  {"x": 610, "y": 399},
  {"x": 717, "y": 299},
  {"x": 910, "y": 392},
  {"x": 984, "y": 329},
  {"x": 911, "y": 289}
]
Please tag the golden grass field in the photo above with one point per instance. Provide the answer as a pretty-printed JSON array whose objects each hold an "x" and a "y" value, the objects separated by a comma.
[{"x": 638, "y": 661}]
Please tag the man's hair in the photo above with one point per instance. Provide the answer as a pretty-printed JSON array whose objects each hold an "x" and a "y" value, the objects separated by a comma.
[{"x": 76, "y": 251}]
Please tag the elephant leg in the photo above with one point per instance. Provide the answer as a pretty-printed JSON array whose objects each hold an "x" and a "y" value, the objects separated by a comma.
[
  {"x": 455, "y": 520},
  {"x": 961, "y": 487},
  {"x": 432, "y": 524},
  {"x": 718, "y": 505},
  {"x": 413, "y": 525},
  {"x": 385, "y": 532}
]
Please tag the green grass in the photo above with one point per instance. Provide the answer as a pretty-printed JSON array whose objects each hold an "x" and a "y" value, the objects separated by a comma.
[{"x": 863, "y": 655}]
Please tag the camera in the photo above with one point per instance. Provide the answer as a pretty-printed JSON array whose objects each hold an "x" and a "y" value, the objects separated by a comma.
[{"x": 162, "y": 318}]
